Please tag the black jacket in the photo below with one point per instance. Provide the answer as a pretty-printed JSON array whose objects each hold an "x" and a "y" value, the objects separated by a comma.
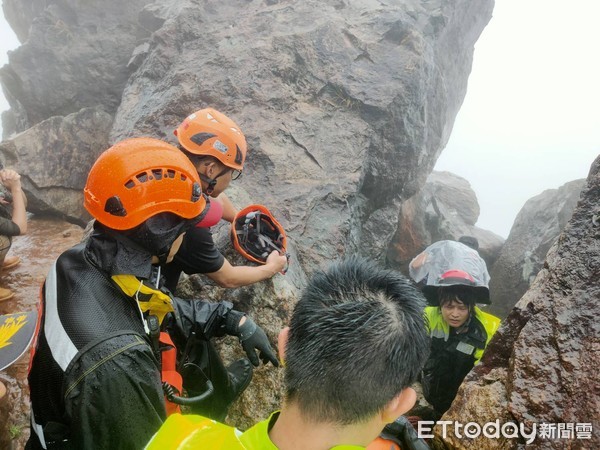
[
  {"x": 448, "y": 364},
  {"x": 95, "y": 381}
]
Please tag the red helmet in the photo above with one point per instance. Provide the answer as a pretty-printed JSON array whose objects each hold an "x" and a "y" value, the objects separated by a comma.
[
  {"x": 456, "y": 277},
  {"x": 208, "y": 132},
  {"x": 138, "y": 178},
  {"x": 255, "y": 234}
]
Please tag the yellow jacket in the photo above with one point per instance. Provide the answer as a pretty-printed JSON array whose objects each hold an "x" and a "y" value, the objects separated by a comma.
[
  {"x": 192, "y": 432},
  {"x": 439, "y": 328}
]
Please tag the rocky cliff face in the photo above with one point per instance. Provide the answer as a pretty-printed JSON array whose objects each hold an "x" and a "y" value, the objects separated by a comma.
[
  {"x": 74, "y": 55},
  {"x": 542, "y": 366},
  {"x": 536, "y": 227},
  {"x": 346, "y": 106},
  {"x": 446, "y": 208}
]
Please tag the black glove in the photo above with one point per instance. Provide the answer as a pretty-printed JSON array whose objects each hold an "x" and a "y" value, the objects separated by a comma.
[
  {"x": 252, "y": 337},
  {"x": 402, "y": 432}
]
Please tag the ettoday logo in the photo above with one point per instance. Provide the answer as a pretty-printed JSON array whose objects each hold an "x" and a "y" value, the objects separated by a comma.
[{"x": 508, "y": 430}]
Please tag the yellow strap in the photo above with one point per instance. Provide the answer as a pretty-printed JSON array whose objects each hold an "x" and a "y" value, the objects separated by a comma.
[{"x": 152, "y": 300}]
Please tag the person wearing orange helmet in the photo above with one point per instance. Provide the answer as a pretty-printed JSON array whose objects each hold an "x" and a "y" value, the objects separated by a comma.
[
  {"x": 108, "y": 330},
  {"x": 217, "y": 147}
]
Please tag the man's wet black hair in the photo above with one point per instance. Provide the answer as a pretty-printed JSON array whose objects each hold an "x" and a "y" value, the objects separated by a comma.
[{"x": 357, "y": 339}]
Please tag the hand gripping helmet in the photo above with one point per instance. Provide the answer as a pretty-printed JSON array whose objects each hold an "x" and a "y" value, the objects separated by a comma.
[
  {"x": 478, "y": 292},
  {"x": 139, "y": 178},
  {"x": 255, "y": 234},
  {"x": 208, "y": 132}
]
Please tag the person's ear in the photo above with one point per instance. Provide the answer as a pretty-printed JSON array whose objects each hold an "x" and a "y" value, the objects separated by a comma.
[
  {"x": 211, "y": 168},
  {"x": 400, "y": 404},
  {"x": 207, "y": 168},
  {"x": 282, "y": 343}
]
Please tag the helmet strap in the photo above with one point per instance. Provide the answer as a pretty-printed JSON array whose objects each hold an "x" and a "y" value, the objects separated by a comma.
[{"x": 212, "y": 182}]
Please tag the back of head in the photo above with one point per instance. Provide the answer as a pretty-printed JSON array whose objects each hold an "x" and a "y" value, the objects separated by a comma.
[
  {"x": 210, "y": 133},
  {"x": 357, "y": 339}
]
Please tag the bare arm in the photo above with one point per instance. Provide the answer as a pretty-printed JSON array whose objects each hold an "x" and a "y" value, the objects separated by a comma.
[
  {"x": 12, "y": 180},
  {"x": 229, "y": 276},
  {"x": 229, "y": 211}
]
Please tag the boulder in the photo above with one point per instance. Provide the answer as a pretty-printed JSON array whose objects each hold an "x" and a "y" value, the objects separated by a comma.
[
  {"x": 535, "y": 229},
  {"x": 54, "y": 158},
  {"x": 446, "y": 208},
  {"x": 346, "y": 107},
  {"x": 75, "y": 56},
  {"x": 20, "y": 14},
  {"x": 542, "y": 365}
]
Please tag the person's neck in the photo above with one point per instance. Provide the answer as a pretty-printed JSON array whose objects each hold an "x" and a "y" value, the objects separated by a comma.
[{"x": 293, "y": 432}]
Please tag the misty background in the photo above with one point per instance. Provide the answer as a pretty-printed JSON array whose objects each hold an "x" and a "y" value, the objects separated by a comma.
[{"x": 529, "y": 121}]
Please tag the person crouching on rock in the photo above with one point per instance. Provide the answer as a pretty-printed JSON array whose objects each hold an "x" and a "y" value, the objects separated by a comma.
[{"x": 107, "y": 325}]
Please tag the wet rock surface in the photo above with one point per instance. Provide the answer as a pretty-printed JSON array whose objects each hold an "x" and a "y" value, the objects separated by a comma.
[
  {"x": 54, "y": 157},
  {"x": 542, "y": 366},
  {"x": 445, "y": 208},
  {"x": 47, "y": 238},
  {"x": 536, "y": 228},
  {"x": 74, "y": 55},
  {"x": 345, "y": 105}
]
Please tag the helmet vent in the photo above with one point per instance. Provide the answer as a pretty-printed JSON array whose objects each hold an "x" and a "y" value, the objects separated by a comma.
[
  {"x": 201, "y": 138},
  {"x": 238, "y": 155},
  {"x": 142, "y": 177},
  {"x": 130, "y": 184},
  {"x": 170, "y": 173},
  {"x": 158, "y": 174}
]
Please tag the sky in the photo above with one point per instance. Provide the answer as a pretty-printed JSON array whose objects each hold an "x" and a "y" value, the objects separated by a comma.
[{"x": 529, "y": 121}]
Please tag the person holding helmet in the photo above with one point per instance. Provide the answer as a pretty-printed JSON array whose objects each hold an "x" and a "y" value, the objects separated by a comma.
[
  {"x": 106, "y": 324},
  {"x": 459, "y": 331},
  {"x": 217, "y": 148}
]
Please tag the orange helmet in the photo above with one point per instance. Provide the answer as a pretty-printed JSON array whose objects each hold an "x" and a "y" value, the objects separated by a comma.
[
  {"x": 255, "y": 234},
  {"x": 208, "y": 132},
  {"x": 138, "y": 178}
]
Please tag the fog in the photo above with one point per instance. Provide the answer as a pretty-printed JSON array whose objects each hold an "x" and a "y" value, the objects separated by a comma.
[{"x": 529, "y": 121}]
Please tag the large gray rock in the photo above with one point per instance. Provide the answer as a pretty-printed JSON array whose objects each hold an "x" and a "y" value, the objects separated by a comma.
[
  {"x": 446, "y": 208},
  {"x": 75, "y": 56},
  {"x": 54, "y": 158},
  {"x": 346, "y": 106},
  {"x": 20, "y": 14},
  {"x": 542, "y": 366},
  {"x": 535, "y": 229}
]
